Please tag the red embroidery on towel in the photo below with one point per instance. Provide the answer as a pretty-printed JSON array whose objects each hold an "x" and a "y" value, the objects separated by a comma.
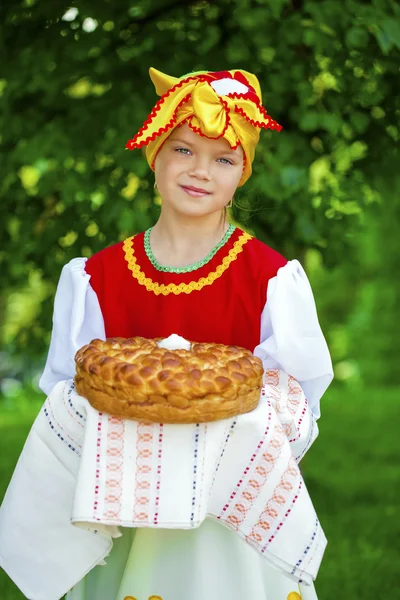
[
  {"x": 144, "y": 455},
  {"x": 114, "y": 468},
  {"x": 260, "y": 473},
  {"x": 159, "y": 457},
  {"x": 97, "y": 486},
  {"x": 280, "y": 497}
]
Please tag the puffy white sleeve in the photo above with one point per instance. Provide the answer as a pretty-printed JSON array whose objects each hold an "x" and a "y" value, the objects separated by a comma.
[
  {"x": 77, "y": 319},
  {"x": 291, "y": 337}
]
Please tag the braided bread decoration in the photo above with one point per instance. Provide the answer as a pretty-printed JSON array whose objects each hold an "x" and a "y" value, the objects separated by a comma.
[{"x": 134, "y": 378}]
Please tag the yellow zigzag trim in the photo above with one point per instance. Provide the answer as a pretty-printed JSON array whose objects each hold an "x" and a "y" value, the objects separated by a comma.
[
  {"x": 182, "y": 288},
  {"x": 150, "y": 598}
]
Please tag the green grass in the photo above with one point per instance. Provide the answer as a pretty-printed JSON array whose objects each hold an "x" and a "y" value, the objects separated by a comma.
[
  {"x": 15, "y": 424},
  {"x": 353, "y": 478}
]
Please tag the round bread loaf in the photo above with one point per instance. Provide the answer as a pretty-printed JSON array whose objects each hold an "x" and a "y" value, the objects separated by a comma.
[{"x": 134, "y": 378}]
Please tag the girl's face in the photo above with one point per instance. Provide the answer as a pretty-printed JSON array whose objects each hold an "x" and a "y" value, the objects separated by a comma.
[{"x": 195, "y": 175}]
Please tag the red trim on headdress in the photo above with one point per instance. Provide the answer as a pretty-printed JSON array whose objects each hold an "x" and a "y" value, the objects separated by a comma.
[
  {"x": 236, "y": 146},
  {"x": 131, "y": 144},
  {"x": 244, "y": 162},
  {"x": 220, "y": 75},
  {"x": 238, "y": 76},
  {"x": 256, "y": 100},
  {"x": 228, "y": 119},
  {"x": 162, "y": 143},
  {"x": 246, "y": 96},
  {"x": 272, "y": 124},
  {"x": 205, "y": 77}
]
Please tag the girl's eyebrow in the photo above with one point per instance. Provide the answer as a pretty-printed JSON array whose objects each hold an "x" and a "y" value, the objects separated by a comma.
[
  {"x": 180, "y": 141},
  {"x": 189, "y": 144}
]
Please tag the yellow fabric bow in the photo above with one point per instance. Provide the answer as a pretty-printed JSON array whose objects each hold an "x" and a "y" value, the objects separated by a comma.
[{"x": 214, "y": 104}]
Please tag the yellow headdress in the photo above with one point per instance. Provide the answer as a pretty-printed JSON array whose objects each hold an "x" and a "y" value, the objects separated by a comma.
[{"x": 214, "y": 104}]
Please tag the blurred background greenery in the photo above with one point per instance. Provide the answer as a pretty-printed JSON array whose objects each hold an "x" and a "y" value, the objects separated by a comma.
[{"x": 74, "y": 87}]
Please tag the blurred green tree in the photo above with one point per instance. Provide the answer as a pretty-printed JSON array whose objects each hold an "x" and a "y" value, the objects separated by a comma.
[{"x": 74, "y": 88}]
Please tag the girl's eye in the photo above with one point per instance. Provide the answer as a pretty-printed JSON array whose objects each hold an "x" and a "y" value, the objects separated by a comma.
[
  {"x": 182, "y": 150},
  {"x": 186, "y": 151}
]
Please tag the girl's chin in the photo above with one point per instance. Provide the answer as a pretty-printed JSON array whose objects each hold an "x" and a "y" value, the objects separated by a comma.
[
  {"x": 196, "y": 214},
  {"x": 192, "y": 206}
]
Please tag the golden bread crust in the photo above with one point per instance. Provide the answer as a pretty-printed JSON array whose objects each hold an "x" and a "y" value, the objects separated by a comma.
[{"x": 135, "y": 379}]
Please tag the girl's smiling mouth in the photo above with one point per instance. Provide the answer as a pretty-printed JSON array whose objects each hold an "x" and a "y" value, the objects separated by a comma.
[{"x": 193, "y": 191}]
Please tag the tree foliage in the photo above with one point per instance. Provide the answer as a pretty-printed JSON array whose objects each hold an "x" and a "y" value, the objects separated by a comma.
[{"x": 74, "y": 87}]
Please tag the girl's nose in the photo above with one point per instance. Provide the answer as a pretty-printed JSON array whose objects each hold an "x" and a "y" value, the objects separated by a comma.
[{"x": 200, "y": 168}]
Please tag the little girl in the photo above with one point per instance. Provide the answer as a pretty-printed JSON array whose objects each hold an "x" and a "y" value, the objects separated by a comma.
[{"x": 195, "y": 274}]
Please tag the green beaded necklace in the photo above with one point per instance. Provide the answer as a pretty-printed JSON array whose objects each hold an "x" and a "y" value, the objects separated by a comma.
[{"x": 189, "y": 268}]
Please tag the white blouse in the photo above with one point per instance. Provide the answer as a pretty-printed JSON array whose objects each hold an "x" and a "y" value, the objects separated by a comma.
[{"x": 290, "y": 335}]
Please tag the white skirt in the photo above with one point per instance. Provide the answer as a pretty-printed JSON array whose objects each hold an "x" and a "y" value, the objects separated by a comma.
[{"x": 210, "y": 562}]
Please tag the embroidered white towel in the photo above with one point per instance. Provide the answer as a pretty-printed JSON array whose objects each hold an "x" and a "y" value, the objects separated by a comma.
[{"x": 83, "y": 473}]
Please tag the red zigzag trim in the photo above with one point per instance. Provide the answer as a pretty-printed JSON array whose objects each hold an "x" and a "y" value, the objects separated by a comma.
[{"x": 131, "y": 144}]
